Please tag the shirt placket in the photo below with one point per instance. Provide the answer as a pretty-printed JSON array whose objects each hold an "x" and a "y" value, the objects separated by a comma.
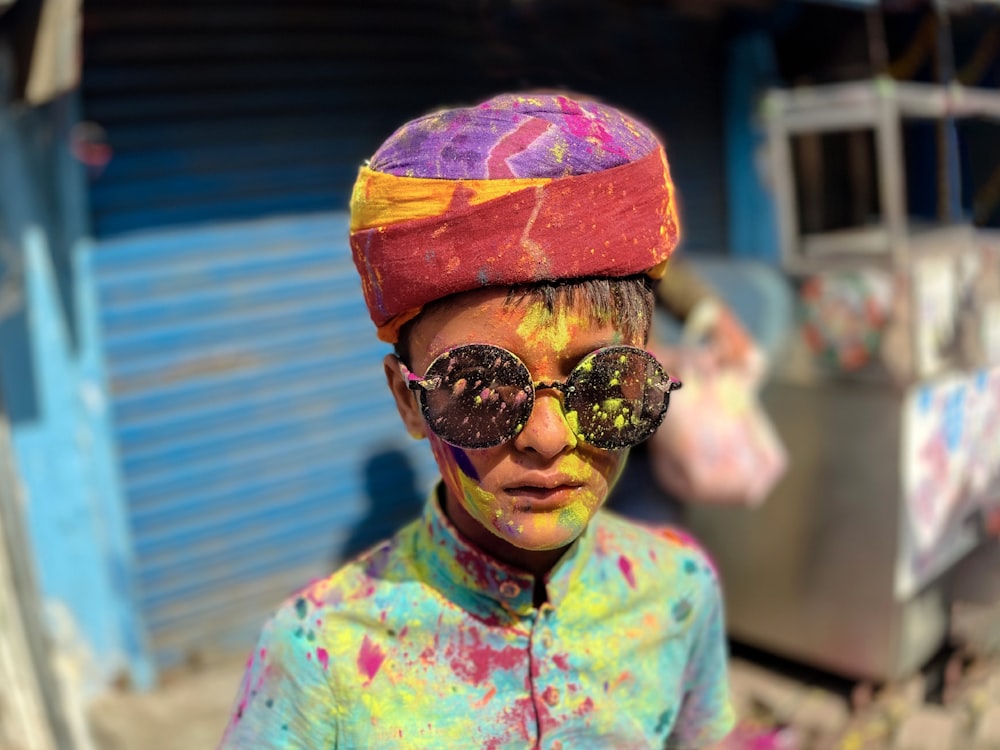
[{"x": 550, "y": 690}]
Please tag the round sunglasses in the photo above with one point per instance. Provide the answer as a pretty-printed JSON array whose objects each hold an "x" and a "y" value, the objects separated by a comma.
[{"x": 480, "y": 396}]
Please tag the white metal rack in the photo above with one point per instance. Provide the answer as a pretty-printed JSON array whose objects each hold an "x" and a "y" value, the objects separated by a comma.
[{"x": 880, "y": 105}]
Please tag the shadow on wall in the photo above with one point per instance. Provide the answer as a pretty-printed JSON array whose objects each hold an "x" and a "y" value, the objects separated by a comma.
[{"x": 394, "y": 499}]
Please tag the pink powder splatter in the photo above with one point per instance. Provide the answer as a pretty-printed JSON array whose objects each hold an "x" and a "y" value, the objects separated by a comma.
[
  {"x": 323, "y": 657},
  {"x": 585, "y": 708},
  {"x": 561, "y": 661},
  {"x": 370, "y": 658},
  {"x": 476, "y": 661},
  {"x": 625, "y": 566}
]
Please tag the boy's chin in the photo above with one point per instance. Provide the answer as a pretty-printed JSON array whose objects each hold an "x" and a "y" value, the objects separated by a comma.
[{"x": 540, "y": 535}]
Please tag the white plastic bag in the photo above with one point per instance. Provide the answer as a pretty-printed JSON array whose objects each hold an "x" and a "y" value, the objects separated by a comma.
[{"x": 716, "y": 444}]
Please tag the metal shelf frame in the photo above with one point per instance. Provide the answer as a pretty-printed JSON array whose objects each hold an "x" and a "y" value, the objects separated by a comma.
[{"x": 880, "y": 105}]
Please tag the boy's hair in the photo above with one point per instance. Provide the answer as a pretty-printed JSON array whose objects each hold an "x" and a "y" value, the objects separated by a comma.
[{"x": 625, "y": 303}]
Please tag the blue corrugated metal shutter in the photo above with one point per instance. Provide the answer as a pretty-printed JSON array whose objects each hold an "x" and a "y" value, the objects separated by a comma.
[
  {"x": 253, "y": 423},
  {"x": 258, "y": 441},
  {"x": 224, "y": 110},
  {"x": 256, "y": 434},
  {"x": 219, "y": 110}
]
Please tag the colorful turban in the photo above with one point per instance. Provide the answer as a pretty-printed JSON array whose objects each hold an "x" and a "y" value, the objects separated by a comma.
[{"x": 519, "y": 189}]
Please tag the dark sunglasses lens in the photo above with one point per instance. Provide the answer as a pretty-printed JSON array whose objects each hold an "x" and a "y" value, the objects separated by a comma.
[
  {"x": 482, "y": 396},
  {"x": 619, "y": 395}
]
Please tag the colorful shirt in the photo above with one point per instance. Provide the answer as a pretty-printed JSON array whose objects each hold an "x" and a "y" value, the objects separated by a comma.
[{"x": 426, "y": 642}]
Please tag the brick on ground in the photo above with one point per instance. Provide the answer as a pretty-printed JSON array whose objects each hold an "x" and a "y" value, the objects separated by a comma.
[
  {"x": 930, "y": 727},
  {"x": 754, "y": 687},
  {"x": 987, "y": 736},
  {"x": 188, "y": 711}
]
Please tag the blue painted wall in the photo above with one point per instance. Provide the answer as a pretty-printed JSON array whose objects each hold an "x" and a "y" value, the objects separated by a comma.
[
  {"x": 753, "y": 231},
  {"x": 53, "y": 382}
]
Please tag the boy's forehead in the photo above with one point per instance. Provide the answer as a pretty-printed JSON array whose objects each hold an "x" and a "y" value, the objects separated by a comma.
[{"x": 490, "y": 316}]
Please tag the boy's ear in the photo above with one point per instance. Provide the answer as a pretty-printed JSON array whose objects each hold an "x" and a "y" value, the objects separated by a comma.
[{"x": 406, "y": 403}]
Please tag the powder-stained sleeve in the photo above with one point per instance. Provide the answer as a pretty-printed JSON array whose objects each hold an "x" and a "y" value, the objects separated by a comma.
[
  {"x": 706, "y": 715},
  {"x": 285, "y": 700}
]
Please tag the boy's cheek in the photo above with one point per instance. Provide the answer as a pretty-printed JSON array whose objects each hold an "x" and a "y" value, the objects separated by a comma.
[
  {"x": 452, "y": 462},
  {"x": 462, "y": 480},
  {"x": 457, "y": 468}
]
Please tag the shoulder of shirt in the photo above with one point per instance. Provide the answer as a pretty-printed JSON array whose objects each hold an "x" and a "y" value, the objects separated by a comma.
[
  {"x": 353, "y": 583},
  {"x": 668, "y": 544}
]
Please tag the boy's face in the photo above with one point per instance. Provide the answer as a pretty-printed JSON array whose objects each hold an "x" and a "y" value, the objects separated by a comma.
[{"x": 539, "y": 490}]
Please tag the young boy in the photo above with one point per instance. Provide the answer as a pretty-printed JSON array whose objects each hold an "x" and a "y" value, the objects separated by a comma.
[{"x": 508, "y": 252}]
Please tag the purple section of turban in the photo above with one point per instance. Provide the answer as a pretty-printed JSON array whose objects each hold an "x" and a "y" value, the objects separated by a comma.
[{"x": 515, "y": 135}]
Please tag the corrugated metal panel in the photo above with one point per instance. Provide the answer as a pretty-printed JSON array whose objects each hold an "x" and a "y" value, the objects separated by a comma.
[
  {"x": 217, "y": 110},
  {"x": 252, "y": 415},
  {"x": 223, "y": 110}
]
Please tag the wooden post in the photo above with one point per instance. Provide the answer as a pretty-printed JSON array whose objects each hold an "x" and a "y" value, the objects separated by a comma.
[{"x": 24, "y": 722}]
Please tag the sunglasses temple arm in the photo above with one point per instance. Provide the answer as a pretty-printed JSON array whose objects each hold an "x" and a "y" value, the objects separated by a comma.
[
  {"x": 415, "y": 382},
  {"x": 672, "y": 384}
]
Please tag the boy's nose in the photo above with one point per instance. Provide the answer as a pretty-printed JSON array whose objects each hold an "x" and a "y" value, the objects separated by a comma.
[{"x": 546, "y": 432}]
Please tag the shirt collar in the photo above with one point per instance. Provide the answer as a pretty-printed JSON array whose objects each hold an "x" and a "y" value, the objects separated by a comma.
[{"x": 480, "y": 583}]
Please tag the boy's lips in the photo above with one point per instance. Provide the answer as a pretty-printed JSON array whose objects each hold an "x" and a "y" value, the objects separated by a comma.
[{"x": 545, "y": 493}]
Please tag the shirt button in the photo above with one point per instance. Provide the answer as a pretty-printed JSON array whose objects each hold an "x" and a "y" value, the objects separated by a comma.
[
  {"x": 509, "y": 589},
  {"x": 551, "y": 695}
]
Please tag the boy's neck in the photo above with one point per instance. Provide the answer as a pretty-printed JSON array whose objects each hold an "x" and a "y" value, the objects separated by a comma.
[{"x": 536, "y": 562}]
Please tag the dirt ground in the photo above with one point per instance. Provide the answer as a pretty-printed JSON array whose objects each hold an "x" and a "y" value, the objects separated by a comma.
[
  {"x": 777, "y": 709},
  {"x": 186, "y": 712}
]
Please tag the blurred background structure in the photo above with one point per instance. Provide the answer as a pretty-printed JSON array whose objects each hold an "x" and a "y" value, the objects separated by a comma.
[{"x": 197, "y": 417}]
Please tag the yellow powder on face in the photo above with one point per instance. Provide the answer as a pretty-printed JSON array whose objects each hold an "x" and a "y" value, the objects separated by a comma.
[
  {"x": 543, "y": 328},
  {"x": 478, "y": 502},
  {"x": 578, "y": 471},
  {"x": 576, "y": 515}
]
